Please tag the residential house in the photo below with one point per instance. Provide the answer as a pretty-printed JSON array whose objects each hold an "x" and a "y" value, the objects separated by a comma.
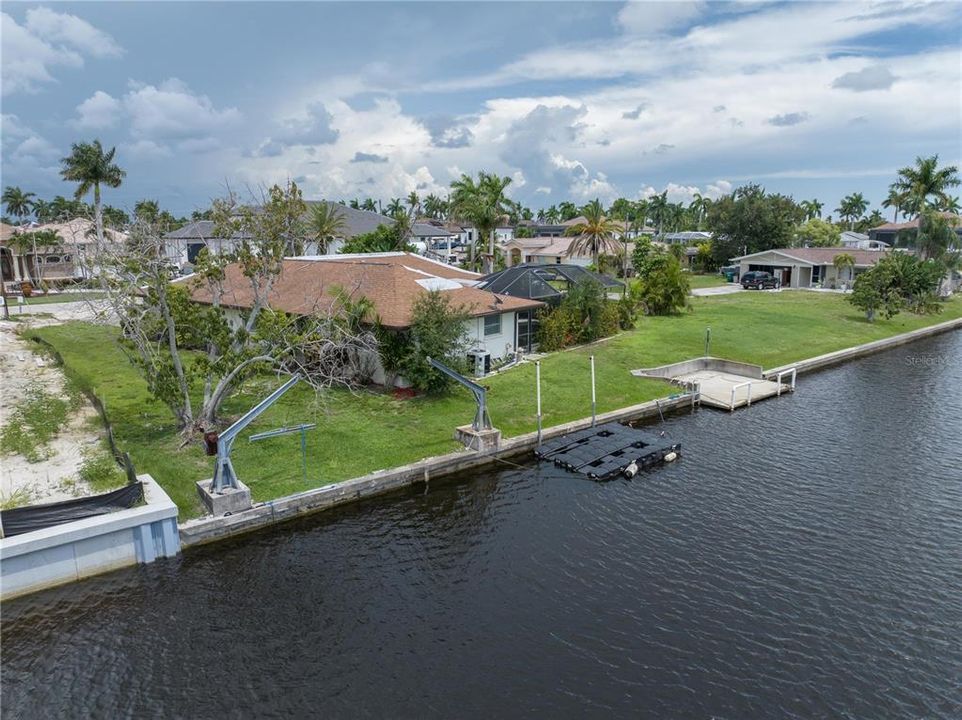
[
  {"x": 71, "y": 261},
  {"x": 889, "y": 232},
  {"x": 860, "y": 241},
  {"x": 496, "y": 327},
  {"x": 185, "y": 243},
  {"x": 808, "y": 267}
]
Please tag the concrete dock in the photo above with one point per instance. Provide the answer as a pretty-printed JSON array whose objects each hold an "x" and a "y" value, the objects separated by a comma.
[{"x": 717, "y": 388}]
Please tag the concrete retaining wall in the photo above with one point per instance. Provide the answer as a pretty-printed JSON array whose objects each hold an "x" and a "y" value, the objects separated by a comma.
[
  {"x": 686, "y": 367},
  {"x": 72, "y": 551},
  {"x": 204, "y": 530},
  {"x": 833, "y": 358}
]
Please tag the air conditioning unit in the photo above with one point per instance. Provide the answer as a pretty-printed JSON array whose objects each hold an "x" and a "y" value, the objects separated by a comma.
[{"x": 479, "y": 361}]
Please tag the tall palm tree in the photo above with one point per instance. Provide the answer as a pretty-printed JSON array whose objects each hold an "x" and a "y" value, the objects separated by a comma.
[
  {"x": 926, "y": 185},
  {"x": 414, "y": 203},
  {"x": 699, "y": 206},
  {"x": 658, "y": 210},
  {"x": 852, "y": 208},
  {"x": 596, "y": 235},
  {"x": 325, "y": 223},
  {"x": 482, "y": 203},
  {"x": 369, "y": 205},
  {"x": 395, "y": 207},
  {"x": 18, "y": 203},
  {"x": 895, "y": 199},
  {"x": 90, "y": 166}
]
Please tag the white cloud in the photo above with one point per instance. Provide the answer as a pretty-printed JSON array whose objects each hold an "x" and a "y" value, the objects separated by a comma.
[
  {"x": 98, "y": 111},
  {"x": 172, "y": 111},
  {"x": 684, "y": 194},
  {"x": 874, "y": 77},
  {"x": 146, "y": 150},
  {"x": 653, "y": 18},
  {"x": 48, "y": 39},
  {"x": 70, "y": 30}
]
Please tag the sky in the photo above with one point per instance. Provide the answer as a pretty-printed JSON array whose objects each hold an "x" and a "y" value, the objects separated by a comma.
[{"x": 572, "y": 100}]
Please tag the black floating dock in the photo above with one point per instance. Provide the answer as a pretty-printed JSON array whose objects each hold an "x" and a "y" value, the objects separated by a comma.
[{"x": 606, "y": 451}]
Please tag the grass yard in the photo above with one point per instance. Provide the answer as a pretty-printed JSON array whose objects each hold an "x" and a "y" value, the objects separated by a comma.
[
  {"x": 361, "y": 432},
  {"x": 67, "y": 297},
  {"x": 705, "y": 281}
]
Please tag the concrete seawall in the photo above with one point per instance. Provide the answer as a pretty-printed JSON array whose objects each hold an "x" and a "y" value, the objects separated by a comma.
[{"x": 204, "y": 530}]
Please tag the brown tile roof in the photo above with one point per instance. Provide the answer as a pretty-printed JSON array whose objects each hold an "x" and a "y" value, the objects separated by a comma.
[
  {"x": 914, "y": 223},
  {"x": 388, "y": 280},
  {"x": 826, "y": 255}
]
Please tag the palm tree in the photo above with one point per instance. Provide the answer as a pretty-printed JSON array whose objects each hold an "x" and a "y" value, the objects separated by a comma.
[
  {"x": 843, "y": 261},
  {"x": 699, "y": 206},
  {"x": 326, "y": 222},
  {"x": 895, "y": 199},
  {"x": 435, "y": 207},
  {"x": 395, "y": 208},
  {"x": 926, "y": 185},
  {"x": 658, "y": 210},
  {"x": 852, "y": 208},
  {"x": 90, "y": 167},
  {"x": 19, "y": 203},
  {"x": 414, "y": 203},
  {"x": 147, "y": 211},
  {"x": 482, "y": 203},
  {"x": 369, "y": 205},
  {"x": 594, "y": 236},
  {"x": 948, "y": 204}
]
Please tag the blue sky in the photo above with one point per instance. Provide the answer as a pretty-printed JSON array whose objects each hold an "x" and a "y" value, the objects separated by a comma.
[{"x": 573, "y": 100}]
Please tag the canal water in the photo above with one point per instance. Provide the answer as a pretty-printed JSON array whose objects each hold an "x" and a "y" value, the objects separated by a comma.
[{"x": 803, "y": 559}]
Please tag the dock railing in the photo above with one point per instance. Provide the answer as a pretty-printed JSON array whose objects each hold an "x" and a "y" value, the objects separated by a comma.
[
  {"x": 735, "y": 388},
  {"x": 778, "y": 379}
]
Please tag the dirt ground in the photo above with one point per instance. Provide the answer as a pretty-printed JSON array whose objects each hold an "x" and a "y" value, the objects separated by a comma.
[{"x": 54, "y": 478}]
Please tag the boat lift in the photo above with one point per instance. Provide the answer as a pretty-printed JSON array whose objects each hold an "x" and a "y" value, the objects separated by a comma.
[
  {"x": 224, "y": 476},
  {"x": 481, "y": 419}
]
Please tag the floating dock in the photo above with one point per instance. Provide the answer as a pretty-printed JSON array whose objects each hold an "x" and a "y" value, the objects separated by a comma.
[{"x": 607, "y": 451}]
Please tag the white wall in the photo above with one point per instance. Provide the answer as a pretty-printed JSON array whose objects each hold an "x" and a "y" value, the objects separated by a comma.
[
  {"x": 72, "y": 551},
  {"x": 498, "y": 345}
]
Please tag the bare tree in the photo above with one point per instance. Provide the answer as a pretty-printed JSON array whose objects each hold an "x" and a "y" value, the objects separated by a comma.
[{"x": 195, "y": 333}]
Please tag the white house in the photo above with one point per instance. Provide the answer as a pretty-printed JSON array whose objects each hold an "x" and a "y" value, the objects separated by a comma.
[
  {"x": 392, "y": 282},
  {"x": 808, "y": 267}
]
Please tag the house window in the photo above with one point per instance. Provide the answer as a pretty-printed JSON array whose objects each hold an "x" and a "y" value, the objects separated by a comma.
[
  {"x": 816, "y": 273},
  {"x": 492, "y": 325}
]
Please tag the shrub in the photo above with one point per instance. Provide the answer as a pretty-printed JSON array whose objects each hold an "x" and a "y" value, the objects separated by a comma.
[
  {"x": 663, "y": 287},
  {"x": 437, "y": 331},
  {"x": 585, "y": 315}
]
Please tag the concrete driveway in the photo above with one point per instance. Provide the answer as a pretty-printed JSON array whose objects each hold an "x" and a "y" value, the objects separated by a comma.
[{"x": 718, "y": 290}]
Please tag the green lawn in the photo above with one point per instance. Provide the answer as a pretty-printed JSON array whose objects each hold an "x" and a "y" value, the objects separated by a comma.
[
  {"x": 704, "y": 281},
  {"x": 365, "y": 431},
  {"x": 58, "y": 298}
]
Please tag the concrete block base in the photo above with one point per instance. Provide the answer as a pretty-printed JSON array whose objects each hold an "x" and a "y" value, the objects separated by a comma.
[
  {"x": 479, "y": 440},
  {"x": 232, "y": 500}
]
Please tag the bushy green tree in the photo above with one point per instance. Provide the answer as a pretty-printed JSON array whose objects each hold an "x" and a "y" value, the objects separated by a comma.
[
  {"x": 818, "y": 233},
  {"x": 385, "y": 238},
  {"x": 437, "y": 331},
  {"x": 751, "y": 220},
  {"x": 662, "y": 285},
  {"x": 897, "y": 281},
  {"x": 584, "y": 315}
]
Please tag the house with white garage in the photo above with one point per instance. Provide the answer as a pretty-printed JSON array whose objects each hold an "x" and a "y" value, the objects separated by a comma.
[
  {"x": 808, "y": 267},
  {"x": 392, "y": 282}
]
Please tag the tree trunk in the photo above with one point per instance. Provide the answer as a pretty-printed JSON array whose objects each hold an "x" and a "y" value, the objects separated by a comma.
[
  {"x": 98, "y": 217},
  {"x": 187, "y": 415}
]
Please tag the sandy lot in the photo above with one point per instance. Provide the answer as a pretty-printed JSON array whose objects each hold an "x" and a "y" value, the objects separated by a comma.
[{"x": 54, "y": 478}]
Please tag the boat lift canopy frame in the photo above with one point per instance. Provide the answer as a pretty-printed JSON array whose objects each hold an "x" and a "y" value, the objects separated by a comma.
[
  {"x": 481, "y": 419},
  {"x": 224, "y": 475}
]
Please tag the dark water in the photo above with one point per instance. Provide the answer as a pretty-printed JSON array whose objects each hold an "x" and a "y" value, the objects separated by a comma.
[{"x": 804, "y": 559}]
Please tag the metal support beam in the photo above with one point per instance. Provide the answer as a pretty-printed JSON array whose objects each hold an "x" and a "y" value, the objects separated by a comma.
[
  {"x": 224, "y": 475},
  {"x": 302, "y": 429},
  {"x": 481, "y": 419}
]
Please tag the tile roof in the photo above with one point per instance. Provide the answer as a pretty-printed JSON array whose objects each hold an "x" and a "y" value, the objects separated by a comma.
[
  {"x": 79, "y": 231},
  {"x": 391, "y": 281},
  {"x": 823, "y": 255}
]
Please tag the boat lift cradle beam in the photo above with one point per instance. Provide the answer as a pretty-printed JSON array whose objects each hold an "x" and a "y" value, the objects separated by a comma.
[
  {"x": 224, "y": 475},
  {"x": 481, "y": 419}
]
